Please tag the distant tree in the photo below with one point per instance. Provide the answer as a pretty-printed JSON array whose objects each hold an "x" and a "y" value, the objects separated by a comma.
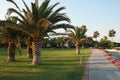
[
  {"x": 78, "y": 35},
  {"x": 46, "y": 43},
  {"x": 112, "y": 34},
  {"x": 104, "y": 42},
  {"x": 89, "y": 42},
  {"x": 96, "y": 35},
  {"x": 61, "y": 41}
]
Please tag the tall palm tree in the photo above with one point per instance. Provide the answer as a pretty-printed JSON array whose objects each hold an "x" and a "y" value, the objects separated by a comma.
[
  {"x": 112, "y": 34},
  {"x": 78, "y": 35},
  {"x": 37, "y": 22}
]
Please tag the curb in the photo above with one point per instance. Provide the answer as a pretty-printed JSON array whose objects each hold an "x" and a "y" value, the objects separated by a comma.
[{"x": 111, "y": 59}]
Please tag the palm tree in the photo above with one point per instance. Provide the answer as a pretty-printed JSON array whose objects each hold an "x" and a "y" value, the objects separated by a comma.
[
  {"x": 37, "y": 22},
  {"x": 84, "y": 38},
  {"x": 78, "y": 35},
  {"x": 6, "y": 35},
  {"x": 96, "y": 34},
  {"x": 11, "y": 36},
  {"x": 112, "y": 34}
]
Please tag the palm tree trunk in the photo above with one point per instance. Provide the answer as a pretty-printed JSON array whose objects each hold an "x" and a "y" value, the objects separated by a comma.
[
  {"x": 29, "y": 51},
  {"x": 37, "y": 49},
  {"x": 77, "y": 48},
  {"x": 11, "y": 52}
]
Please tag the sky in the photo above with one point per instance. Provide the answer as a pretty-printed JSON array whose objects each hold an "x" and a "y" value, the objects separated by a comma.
[{"x": 97, "y": 15}]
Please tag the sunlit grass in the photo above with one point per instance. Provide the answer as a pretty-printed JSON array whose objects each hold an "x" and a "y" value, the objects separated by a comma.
[{"x": 58, "y": 64}]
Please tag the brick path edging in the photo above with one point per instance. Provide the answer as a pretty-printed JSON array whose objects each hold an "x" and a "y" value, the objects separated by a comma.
[{"x": 86, "y": 70}]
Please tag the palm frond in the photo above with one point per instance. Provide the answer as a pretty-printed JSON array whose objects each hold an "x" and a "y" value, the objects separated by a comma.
[
  {"x": 78, "y": 34},
  {"x": 26, "y": 6},
  {"x": 35, "y": 12},
  {"x": 43, "y": 7},
  {"x": 58, "y": 26},
  {"x": 14, "y": 4},
  {"x": 72, "y": 34},
  {"x": 6, "y": 24},
  {"x": 48, "y": 11},
  {"x": 55, "y": 13},
  {"x": 12, "y": 25},
  {"x": 59, "y": 18},
  {"x": 40, "y": 20},
  {"x": 15, "y": 11},
  {"x": 19, "y": 20}
]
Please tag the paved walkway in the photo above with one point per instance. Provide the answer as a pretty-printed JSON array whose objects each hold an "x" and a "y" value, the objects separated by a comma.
[{"x": 99, "y": 68}]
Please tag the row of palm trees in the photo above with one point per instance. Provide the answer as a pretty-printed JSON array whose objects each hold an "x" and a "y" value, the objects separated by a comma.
[
  {"x": 111, "y": 34},
  {"x": 32, "y": 25},
  {"x": 105, "y": 40}
]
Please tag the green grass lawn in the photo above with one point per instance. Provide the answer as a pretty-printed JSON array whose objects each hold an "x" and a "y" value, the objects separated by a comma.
[{"x": 58, "y": 64}]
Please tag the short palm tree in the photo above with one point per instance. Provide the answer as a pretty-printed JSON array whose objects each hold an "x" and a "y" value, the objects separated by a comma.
[
  {"x": 37, "y": 22},
  {"x": 78, "y": 35},
  {"x": 11, "y": 36},
  {"x": 7, "y": 36}
]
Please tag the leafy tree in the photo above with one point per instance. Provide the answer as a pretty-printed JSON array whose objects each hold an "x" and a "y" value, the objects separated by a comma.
[
  {"x": 37, "y": 22},
  {"x": 78, "y": 35}
]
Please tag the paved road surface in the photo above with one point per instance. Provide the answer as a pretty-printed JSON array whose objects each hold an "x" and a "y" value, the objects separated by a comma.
[{"x": 99, "y": 68}]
